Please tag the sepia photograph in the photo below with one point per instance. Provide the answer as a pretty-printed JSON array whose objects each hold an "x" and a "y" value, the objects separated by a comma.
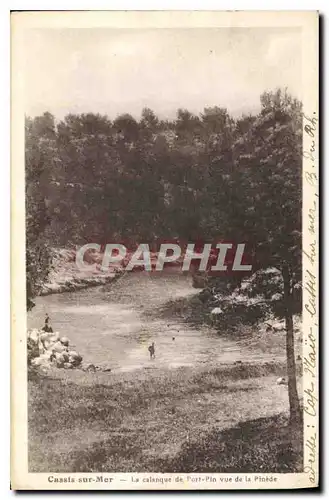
[{"x": 165, "y": 250}]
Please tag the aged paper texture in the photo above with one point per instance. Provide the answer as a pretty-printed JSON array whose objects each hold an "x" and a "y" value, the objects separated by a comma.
[{"x": 164, "y": 250}]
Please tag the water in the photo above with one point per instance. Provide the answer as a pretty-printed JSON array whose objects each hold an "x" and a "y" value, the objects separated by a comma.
[{"x": 111, "y": 326}]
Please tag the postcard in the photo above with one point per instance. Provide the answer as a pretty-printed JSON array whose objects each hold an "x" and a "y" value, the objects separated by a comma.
[{"x": 165, "y": 283}]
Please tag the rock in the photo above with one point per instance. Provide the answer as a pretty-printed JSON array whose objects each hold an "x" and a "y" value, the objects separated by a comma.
[
  {"x": 45, "y": 348},
  {"x": 217, "y": 310},
  {"x": 42, "y": 363},
  {"x": 49, "y": 342},
  {"x": 46, "y": 355},
  {"x": 205, "y": 295},
  {"x": 58, "y": 347},
  {"x": 89, "y": 368},
  {"x": 74, "y": 358},
  {"x": 37, "y": 361},
  {"x": 199, "y": 281},
  {"x": 52, "y": 357},
  {"x": 33, "y": 350},
  {"x": 60, "y": 360},
  {"x": 43, "y": 369},
  {"x": 65, "y": 356},
  {"x": 33, "y": 334}
]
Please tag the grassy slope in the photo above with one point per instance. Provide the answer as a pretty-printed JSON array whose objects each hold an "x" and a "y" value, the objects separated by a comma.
[{"x": 220, "y": 420}]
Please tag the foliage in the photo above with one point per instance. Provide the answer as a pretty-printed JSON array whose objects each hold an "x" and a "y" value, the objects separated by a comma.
[
  {"x": 206, "y": 177},
  {"x": 40, "y": 160}
]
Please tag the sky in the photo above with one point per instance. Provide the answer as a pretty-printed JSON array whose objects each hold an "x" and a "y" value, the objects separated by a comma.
[{"x": 113, "y": 71}]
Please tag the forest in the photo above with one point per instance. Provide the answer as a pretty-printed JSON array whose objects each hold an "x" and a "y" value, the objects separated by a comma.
[{"x": 197, "y": 177}]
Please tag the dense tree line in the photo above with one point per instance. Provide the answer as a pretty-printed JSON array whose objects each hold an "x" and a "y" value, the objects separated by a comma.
[
  {"x": 195, "y": 177},
  {"x": 199, "y": 177}
]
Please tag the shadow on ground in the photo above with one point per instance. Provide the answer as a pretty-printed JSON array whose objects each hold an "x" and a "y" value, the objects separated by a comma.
[
  {"x": 264, "y": 445},
  {"x": 185, "y": 420}
]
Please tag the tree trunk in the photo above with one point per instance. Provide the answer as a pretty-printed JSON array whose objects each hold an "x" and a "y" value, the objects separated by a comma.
[{"x": 295, "y": 410}]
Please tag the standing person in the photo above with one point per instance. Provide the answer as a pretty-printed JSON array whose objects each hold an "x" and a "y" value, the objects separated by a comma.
[{"x": 152, "y": 351}]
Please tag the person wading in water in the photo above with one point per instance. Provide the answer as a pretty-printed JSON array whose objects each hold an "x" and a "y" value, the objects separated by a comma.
[{"x": 152, "y": 351}]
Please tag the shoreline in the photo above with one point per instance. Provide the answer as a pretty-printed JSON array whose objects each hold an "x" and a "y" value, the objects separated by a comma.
[
  {"x": 77, "y": 284},
  {"x": 228, "y": 371},
  {"x": 65, "y": 276}
]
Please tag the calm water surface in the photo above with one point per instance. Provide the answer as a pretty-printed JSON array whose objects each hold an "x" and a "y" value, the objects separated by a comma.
[{"x": 110, "y": 326}]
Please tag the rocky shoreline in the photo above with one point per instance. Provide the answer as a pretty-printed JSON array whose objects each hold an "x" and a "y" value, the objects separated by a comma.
[
  {"x": 76, "y": 284},
  {"x": 47, "y": 351}
]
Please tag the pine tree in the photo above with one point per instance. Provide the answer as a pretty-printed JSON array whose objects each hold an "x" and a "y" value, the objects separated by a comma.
[{"x": 268, "y": 184}]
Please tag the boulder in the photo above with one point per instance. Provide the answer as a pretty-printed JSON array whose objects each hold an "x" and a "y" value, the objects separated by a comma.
[
  {"x": 60, "y": 360},
  {"x": 75, "y": 358},
  {"x": 65, "y": 356},
  {"x": 45, "y": 348},
  {"x": 49, "y": 337},
  {"x": 41, "y": 363},
  {"x": 46, "y": 355},
  {"x": 89, "y": 368},
  {"x": 37, "y": 361},
  {"x": 33, "y": 334},
  {"x": 58, "y": 347},
  {"x": 217, "y": 310}
]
